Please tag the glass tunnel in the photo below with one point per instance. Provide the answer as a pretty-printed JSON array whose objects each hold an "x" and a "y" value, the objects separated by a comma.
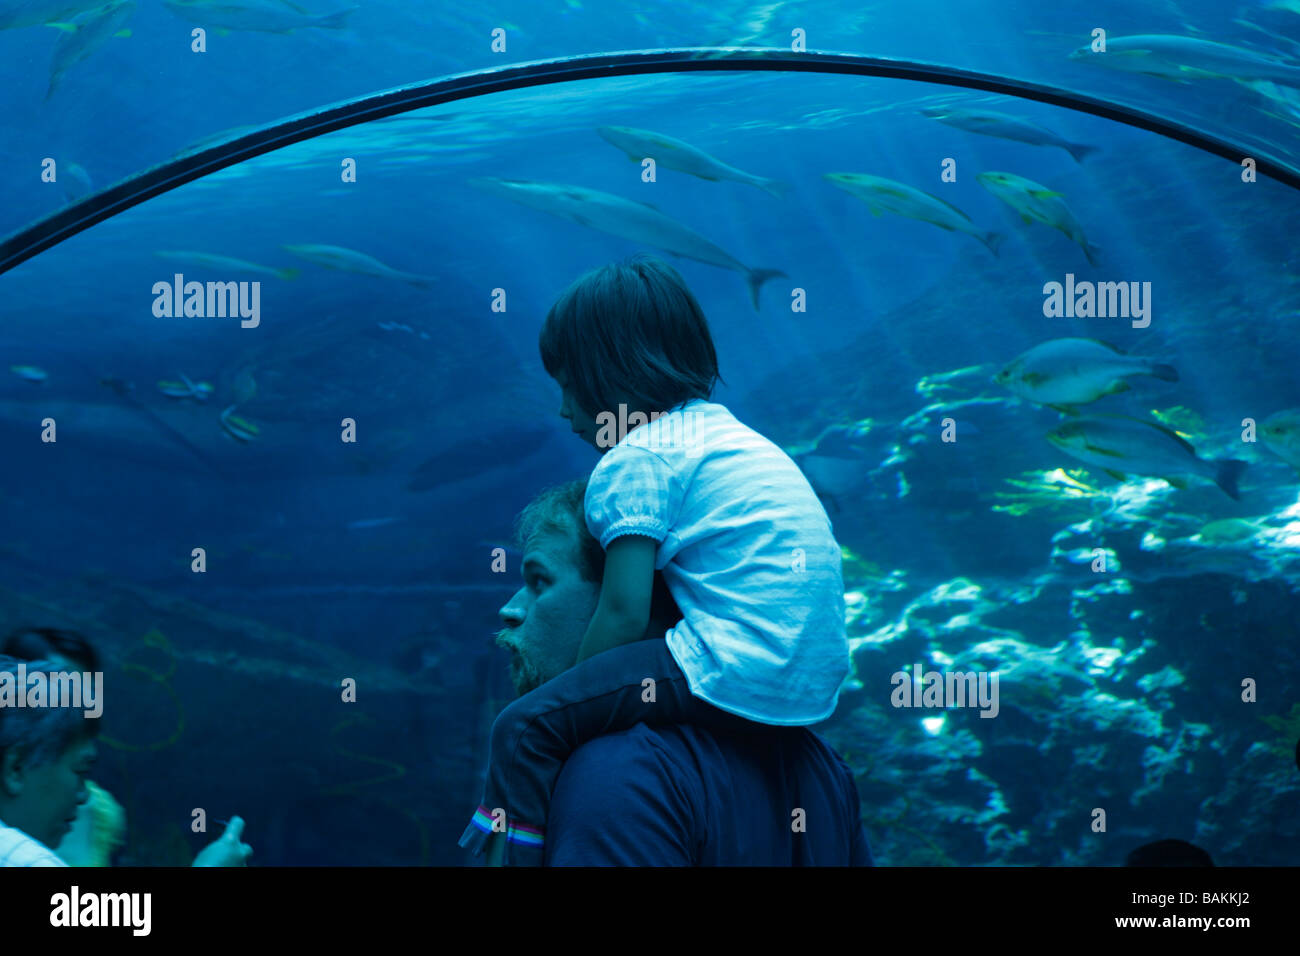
[{"x": 1025, "y": 322}]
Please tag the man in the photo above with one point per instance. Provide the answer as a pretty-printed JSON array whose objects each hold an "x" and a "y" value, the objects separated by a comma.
[
  {"x": 45, "y": 757},
  {"x": 750, "y": 795}
]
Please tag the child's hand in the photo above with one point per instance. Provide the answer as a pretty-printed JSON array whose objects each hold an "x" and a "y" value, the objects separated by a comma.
[{"x": 227, "y": 850}]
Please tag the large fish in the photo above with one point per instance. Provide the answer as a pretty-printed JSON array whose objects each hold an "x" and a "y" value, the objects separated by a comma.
[
  {"x": 886, "y": 195},
  {"x": 1037, "y": 203},
  {"x": 31, "y": 13},
  {"x": 349, "y": 260},
  {"x": 1188, "y": 58},
  {"x": 1120, "y": 446},
  {"x": 1075, "y": 371},
  {"x": 124, "y": 390},
  {"x": 1280, "y": 433},
  {"x": 625, "y": 218},
  {"x": 259, "y": 16},
  {"x": 1004, "y": 126},
  {"x": 475, "y": 456},
  {"x": 207, "y": 260},
  {"x": 673, "y": 153},
  {"x": 837, "y": 464},
  {"x": 86, "y": 34}
]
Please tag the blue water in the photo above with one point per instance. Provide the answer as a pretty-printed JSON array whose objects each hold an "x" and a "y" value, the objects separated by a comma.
[{"x": 1122, "y": 690}]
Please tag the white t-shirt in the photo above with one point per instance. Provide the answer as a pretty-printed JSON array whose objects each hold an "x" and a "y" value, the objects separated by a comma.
[
  {"x": 18, "y": 849},
  {"x": 747, "y": 552}
]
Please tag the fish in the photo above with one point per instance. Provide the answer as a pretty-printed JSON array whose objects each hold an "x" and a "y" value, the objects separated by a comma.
[
  {"x": 886, "y": 195},
  {"x": 673, "y": 153},
  {"x": 225, "y": 135},
  {"x": 1120, "y": 445},
  {"x": 349, "y": 260},
  {"x": 836, "y": 464},
  {"x": 1280, "y": 434},
  {"x": 423, "y": 651},
  {"x": 33, "y": 13},
  {"x": 186, "y": 389},
  {"x": 1005, "y": 126},
  {"x": 87, "y": 33},
  {"x": 244, "y": 386},
  {"x": 1227, "y": 531},
  {"x": 1182, "y": 420},
  {"x": 29, "y": 373},
  {"x": 257, "y": 16},
  {"x": 1284, "y": 98},
  {"x": 76, "y": 182},
  {"x": 238, "y": 428},
  {"x": 206, "y": 260},
  {"x": 1064, "y": 372},
  {"x": 1037, "y": 203},
  {"x": 366, "y": 523},
  {"x": 477, "y": 455},
  {"x": 1189, "y": 58},
  {"x": 639, "y": 222},
  {"x": 126, "y": 392},
  {"x": 1087, "y": 556}
]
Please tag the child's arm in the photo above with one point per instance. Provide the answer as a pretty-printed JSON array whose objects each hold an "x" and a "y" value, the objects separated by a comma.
[{"x": 624, "y": 608}]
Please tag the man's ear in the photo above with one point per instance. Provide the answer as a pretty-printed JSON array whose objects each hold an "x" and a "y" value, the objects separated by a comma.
[{"x": 12, "y": 767}]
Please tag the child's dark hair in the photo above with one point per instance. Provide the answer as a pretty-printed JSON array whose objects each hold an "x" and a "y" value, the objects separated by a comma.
[{"x": 630, "y": 331}]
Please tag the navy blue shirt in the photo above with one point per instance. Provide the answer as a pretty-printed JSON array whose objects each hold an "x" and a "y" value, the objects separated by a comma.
[{"x": 682, "y": 795}]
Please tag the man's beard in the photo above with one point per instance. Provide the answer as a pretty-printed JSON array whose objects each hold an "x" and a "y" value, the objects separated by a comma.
[{"x": 523, "y": 675}]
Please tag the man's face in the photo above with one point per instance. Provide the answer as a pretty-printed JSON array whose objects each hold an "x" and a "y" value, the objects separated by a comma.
[
  {"x": 546, "y": 619},
  {"x": 46, "y": 800}
]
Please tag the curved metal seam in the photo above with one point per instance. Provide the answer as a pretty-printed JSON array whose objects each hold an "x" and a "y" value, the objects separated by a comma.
[{"x": 157, "y": 180}]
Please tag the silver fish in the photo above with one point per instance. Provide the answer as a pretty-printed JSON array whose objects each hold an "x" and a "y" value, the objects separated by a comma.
[
  {"x": 1004, "y": 126},
  {"x": 32, "y": 13},
  {"x": 366, "y": 524},
  {"x": 1188, "y": 58},
  {"x": 207, "y": 260},
  {"x": 636, "y": 221},
  {"x": 29, "y": 373},
  {"x": 86, "y": 34},
  {"x": 1075, "y": 372},
  {"x": 76, "y": 182},
  {"x": 349, "y": 260},
  {"x": 1280, "y": 434},
  {"x": 887, "y": 195},
  {"x": 673, "y": 153},
  {"x": 1119, "y": 445},
  {"x": 1037, "y": 203}
]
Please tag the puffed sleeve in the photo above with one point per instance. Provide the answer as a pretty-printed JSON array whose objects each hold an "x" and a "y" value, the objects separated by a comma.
[{"x": 631, "y": 491}]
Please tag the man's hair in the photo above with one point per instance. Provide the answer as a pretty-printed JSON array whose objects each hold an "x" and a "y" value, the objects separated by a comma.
[
  {"x": 40, "y": 735},
  {"x": 559, "y": 510},
  {"x": 38, "y": 643},
  {"x": 630, "y": 331}
]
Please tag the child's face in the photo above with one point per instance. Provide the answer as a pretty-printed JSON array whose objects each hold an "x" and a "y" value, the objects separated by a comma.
[{"x": 582, "y": 422}]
